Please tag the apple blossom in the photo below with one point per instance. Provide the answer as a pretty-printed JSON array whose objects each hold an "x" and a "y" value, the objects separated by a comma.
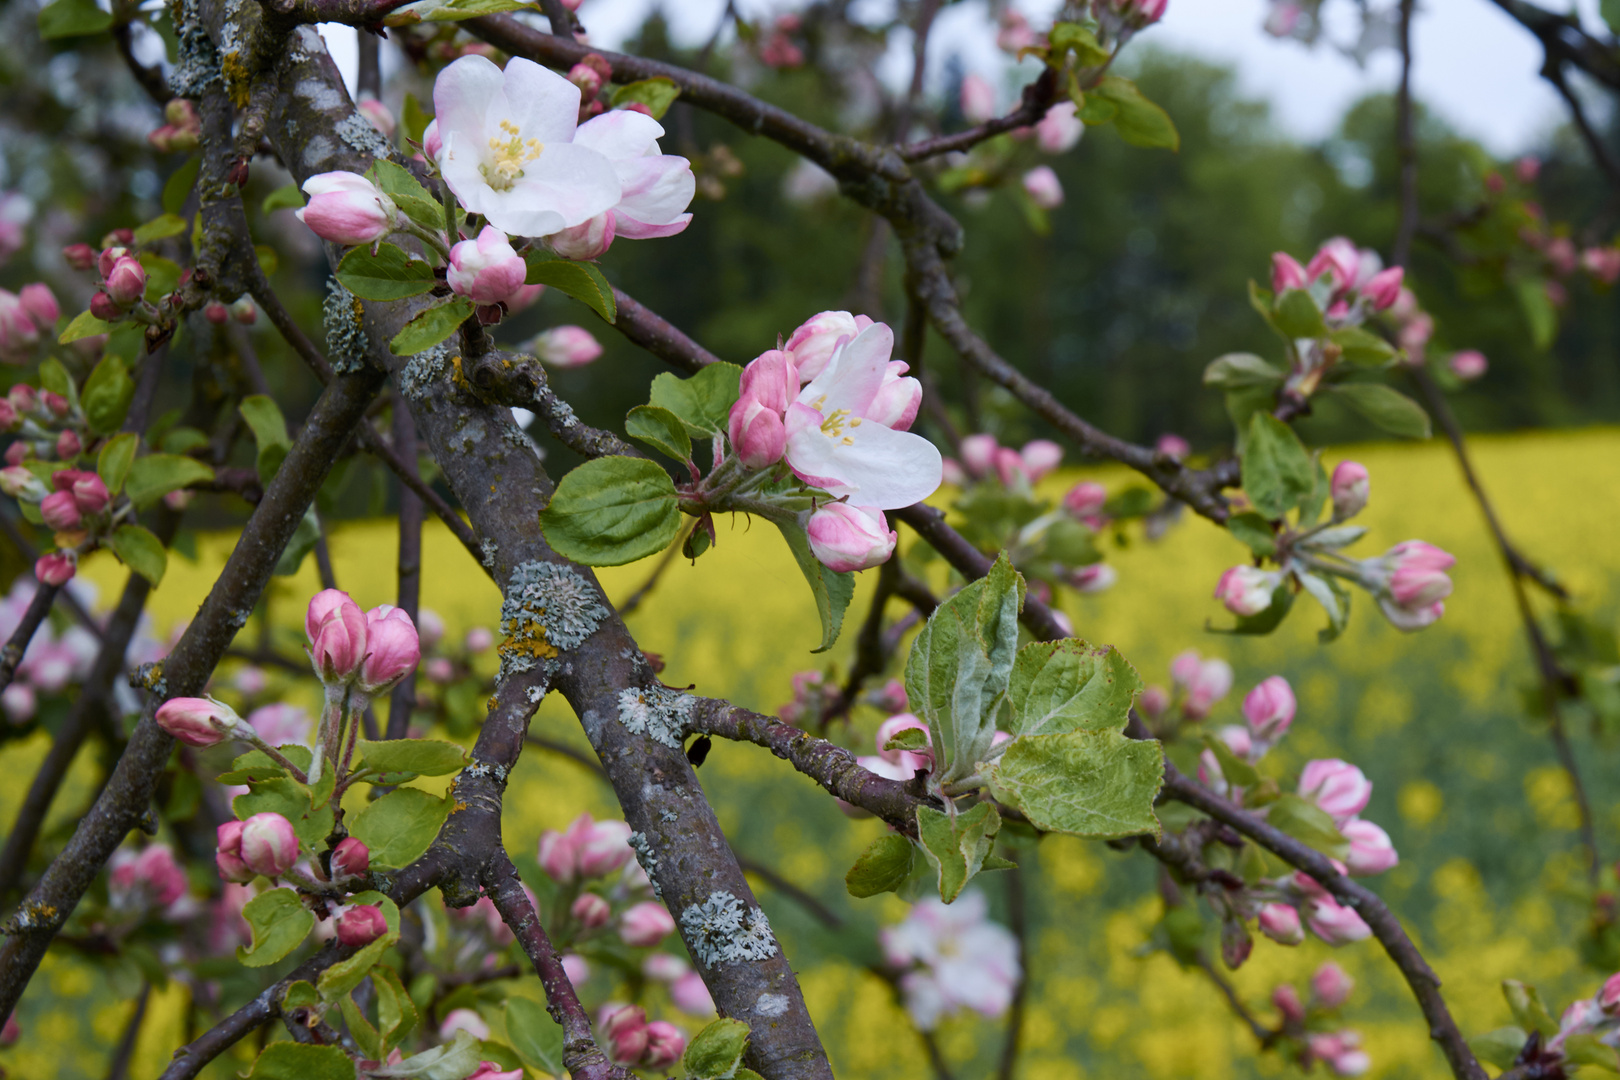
[
  {"x": 898, "y": 398},
  {"x": 645, "y": 924},
  {"x": 1040, "y": 456},
  {"x": 351, "y": 858},
  {"x": 361, "y": 925},
  {"x": 565, "y": 347},
  {"x": 486, "y": 270},
  {"x": 507, "y": 147},
  {"x": 1336, "y": 786},
  {"x": 90, "y": 492},
  {"x": 1043, "y": 187},
  {"x": 1371, "y": 851},
  {"x": 392, "y": 648},
  {"x": 1602, "y": 263},
  {"x": 1608, "y": 997},
  {"x": 576, "y": 968},
  {"x": 381, "y": 117},
  {"x": 964, "y": 960},
  {"x": 1269, "y": 708},
  {"x": 56, "y": 568},
  {"x": 1155, "y": 701},
  {"x": 1330, "y": 986},
  {"x": 336, "y": 628},
  {"x": 1014, "y": 33},
  {"x": 1339, "y": 259},
  {"x": 691, "y": 995},
  {"x": 1411, "y": 582},
  {"x": 665, "y": 1045},
  {"x": 625, "y": 1029},
  {"x": 977, "y": 99},
  {"x": 347, "y": 209},
  {"x": 126, "y": 281},
  {"x": 588, "y": 848},
  {"x": 772, "y": 379},
  {"x": 591, "y": 910},
  {"x": 268, "y": 844},
  {"x": 979, "y": 454},
  {"x": 79, "y": 256},
  {"x": 197, "y": 721},
  {"x": 69, "y": 445},
  {"x": 812, "y": 345},
  {"x": 656, "y": 187},
  {"x": 588, "y": 240},
  {"x": 60, "y": 512},
  {"x": 914, "y": 760},
  {"x": 1085, "y": 501},
  {"x": 1060, "y": 129},
  {"x": 1286, "y": 273},
  {"x": 848, "y": 538},
  {"x": 1335, "y": 923},
  {"x": 1280, "y": 923},
  {"x": 40, "y": 304},
  {"x": 466, "y": 1020},
  {"x": 756, "y": 432},
  {"x": 1468, "y": 365},
  {"x": 1382, "y": 289},
  {"x": 832, "y": 444},
  {"x": 1286, "y": 998},
  {"x": 150, "y": 877},
  {"x": 478, "y": 639},
  {"x": 1351, "y": 488},
  {"x": 1173, "y": 446},
  {"x": 1246, "y": 590}
]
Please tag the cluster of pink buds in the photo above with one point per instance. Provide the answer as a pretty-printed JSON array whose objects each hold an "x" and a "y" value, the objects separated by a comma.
[
  {"x": 779, "y": 50},
  {"x": 591, "y": 74},
  {"x": 1268, "y": 713},
  {"x": 1341, "y": 790},
  {"x": 369, "y": 652},
  {"x": 54, "y": 659},
  {"x": 181, "y": 130},
  {"x": 632, "y": 1041},
  {"x": 47, "y": 425},
  {"x": 123, "y": 287},
  {"x": 1303, "y": 1021},
  {"x": 1196, "y": 685},
  {"x": 812, "y": 690},
  {"x": 586, "y": 849},
  {"x": 150, "y": 878},
  {"x": 1347, "y": 278},
  {"x": 983, "y": 458},
  {"x": 26, "y": 317},
  {"x": 264, "y": 844}
]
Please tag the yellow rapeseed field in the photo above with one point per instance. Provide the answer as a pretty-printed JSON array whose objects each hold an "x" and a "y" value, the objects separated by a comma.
[{"x": 1461, "y": 777}]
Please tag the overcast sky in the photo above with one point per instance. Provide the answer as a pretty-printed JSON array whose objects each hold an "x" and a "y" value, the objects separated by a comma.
[{"x": 1473, "y": 64}]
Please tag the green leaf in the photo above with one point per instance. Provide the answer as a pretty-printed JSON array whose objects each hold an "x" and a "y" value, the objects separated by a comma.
[
  {"x": 451, "y": 10},
  {"x": 432, "y": 326},
  {"x": 366, "y": 1037},
  {"x": 55, "y": 378},
  {"x": 1610, "y": 10},
  {"x": 908, "y": 739},
  {"x": 1387, "y": 408},
  {"x": 269, "y": 429},
  {"x": 413, "y": 122},
  {"x": 1235, "y": 370},
  {"x": 882, "y": 867},
  {"x": 658, "y": 94},
  {"x": 1333, "y": 597},
  {"x": 1277, "y": 472},
  {"x": 1307, "y": 823},
  {"x": 1297, "y": 316},
  {"x": 960, "y": 665},
  {"x": 956, "y": 846},
  {"x": 73, "y": 18},
  {"x": 1068, "y": 37},
  {"x": 1070, "y": 686},
  {"x": 580, "y": 280},
  {"x": 715, "y": 1052},
  {"x": 342, "y": 977},
  {"x": 424, "y": 757},
  {"x": 162, "y": 275},
  {"x": 396, "y": 1012},
  {"x": 1362, "y": 348},
  {"x": 660, "y": 429},
  {"x": 1589, "y": 1049},
  {"x": 160, "y": 228},
  {"x": 1254, "y": 531},
  {"x": 1140, "y": 122},
  {"x": 535, "y": 1036},
  {"x": 454, "y": 1061},
  {"x": 84, "y": 324},
  {"x": 1538, "y": 309},
  {"x": 155, "y": 475},
  {"x": 1233, "y": 768},
  {"x": 611, "y": 511},
  {"x": 1528, "y": 1010},
  {"x": 1087, "y": 783},
  {"x": 832, "y": 589},
  {"x": 1500, "y": 1047},
  {"x": 301, "y": 995},
  {"x": 1321, "y": 491},
  {"x": 107, "y": 394},
  {"x": 279, "y": 922},
  {"x": 702, "y": 402},
  {"x": 414, "y": 200},
  {"x": 139, "y": 550},
  {"x": 288, "y": 197},
  {"x": 399, "y": 826},
  {"x": 296, "y": 1061},
  {"x": 180, "y": 183},
  {"x": 115, "y": 458},
  {"x": 303, "y": 540},
  {"x": 391, "y": 274}
]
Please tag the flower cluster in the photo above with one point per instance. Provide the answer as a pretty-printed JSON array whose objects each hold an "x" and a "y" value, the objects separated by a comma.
[
  {"x": 952, "y": 958},
  {"x": 1196, "y": 686},
  {"x": 26, "y": 316},
  {"x": 1310, "y": 1026},
  {"x": 55, "y": 659}
]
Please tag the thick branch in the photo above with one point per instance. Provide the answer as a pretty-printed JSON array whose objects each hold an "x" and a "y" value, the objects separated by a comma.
[{"x": 657, "y": 335}]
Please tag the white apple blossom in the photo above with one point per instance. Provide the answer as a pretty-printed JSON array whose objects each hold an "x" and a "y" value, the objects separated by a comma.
[
  {"x": 964, "y": 960},
  {"x": 657, "y": 187}
]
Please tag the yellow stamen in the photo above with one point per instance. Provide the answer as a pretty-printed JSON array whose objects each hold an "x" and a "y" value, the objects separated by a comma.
[{"x": 510, "y": 154}]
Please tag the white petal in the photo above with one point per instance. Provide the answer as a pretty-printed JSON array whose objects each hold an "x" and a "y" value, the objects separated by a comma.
[
  {"x": 657, "y": 190},
  {"x": 571, "y": 182},
  {"x": 854, "y": 375},
  {"x": 515, "y": 212},
  {"x": 620, "y": 134},
  {"x": 461, "y": 95},
  {"x": 542, "y": 103}
]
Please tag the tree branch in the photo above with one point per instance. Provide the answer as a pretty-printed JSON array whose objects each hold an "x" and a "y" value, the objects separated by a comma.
[{"x": 33, "y": 618}]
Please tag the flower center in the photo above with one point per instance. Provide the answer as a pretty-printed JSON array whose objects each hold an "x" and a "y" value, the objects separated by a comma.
[
  {"x": 509, "y": 155},
  {"x": 833, "y": 426}
]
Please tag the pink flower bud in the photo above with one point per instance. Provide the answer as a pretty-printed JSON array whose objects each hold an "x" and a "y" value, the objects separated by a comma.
[
  {"x": 197, "y": 721},
  {"x": 392, "y": 648},
  {"x": 812, "y": 344},
  {"x": 1527, "y": 169},
  {"x": 591, "y": 910},
  {"x": 978, "y": 99},
  {"x": 665, "y": 1045},
  {"x": 1336, "y": 924},
  {"x": 1286, "y": 998},
  {"x": 664, "y": 968},
  {"x": 79, "y": 256},
  {"x": 216, "y": 313},
  {"x": 1338, "y": 258},
  {"x": 40, "y": 304},
  {"x": 587, "y": 240},
  {"x": 1155, "y": 701},
  {"x": 893, "y": 726},
  {"x": 691, "y": 995},
  {"x": 646, "y": 924},
  {"x": 1246, "y": 590},
  {"x": 347, "y": 209},
  {"x": 268, "y": 844},
  {"x": 979, "y": 454},
  {"x": 23, "y": 397},
  {"x": 1415, "y": 583},
  {"x": 126, "y": 283},
  {"x": 361, "y": 925},
  {"x": 566, "y": 347},
  {"x": 757, "y": 433},
  {"x": 1286, "y": 273},
  {"x": 1210, "y": 682},
  {"x": 577, "y": 969},
  {"x": 244, "y": 311},
  {"x": 772, "y": 379},
  {"x": 1009, "y": 466},
  {"x": 351, "y": 858},
  {"x": 1330, "y": 986},
  {"x": 1280, "y": 923},
  {"x": 1269, "y": 708},
  {"x": 151, "y": 877},
  {"x": 381, "y": 117},
  {"x": 105, "y": 308},
  {"x": 488, "y": 1070},
  {"x": 1351, "y": 488},
  {"x": 337, "y": 635},
  {"x": 604, "y": 846},
  {"x": 626, "y": 1032},
  {"x": 1085, "y": 499},
  {"x": 586, "y": 78},
  {"x": 1043, "y": 187},
  {"x": 1337, "y": 787},
  {"x": 60, "y": 512},
  {"x": 1173, "y": 446},
  {"x": 11, "y": 1031},
  {"x": 1060, "y": 129},
  {"x": 1040, "y": 457},
  {"x": 68, "y": 445},
  {"x": 559, "y": 855},
  {"x": 1371, "y": 851},
  {"x": 56, "y": 403},
  {"x": 56, "y": 568},
  {"x": 898, "y": 399},
  {"x": 90, "y": 493},
  {"x": 463, "y": 1020},
  {"x": 1468, "y": 365},
  {"x": 110, "y": 254},
  {"x": 8, "y": 415},
  {"x": 1382, "y": 289},
  {"x": 848, "y": 538},
  {"x": 892, "y": 697},
  {"x": 228, "y": 857},
  {"x": 486, "y": 270},
  {"x": 1608, "y": 998},
  {"x": 431, "y": 142},
  {"x": 18, "y": 334},
  {"x": 19, "y": 482}
]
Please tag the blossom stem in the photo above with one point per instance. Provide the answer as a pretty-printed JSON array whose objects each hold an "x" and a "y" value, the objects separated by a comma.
[{"x": 251, "y": 737}]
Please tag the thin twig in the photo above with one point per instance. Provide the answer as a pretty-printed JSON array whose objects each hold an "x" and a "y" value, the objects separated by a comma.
[
  {"x": 118, "y": 1068},
  {"x": 1263, "y": 1035},
  {"x": 33, "y": 618},
  {"x": 1018, "y": 923},
  {"x": 666, "y": 560}
]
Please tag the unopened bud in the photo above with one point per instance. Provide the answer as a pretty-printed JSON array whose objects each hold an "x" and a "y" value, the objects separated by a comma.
[
  {"x": 79, "y": 256},
  {"x": 351, "y": 858},
  {"x": 361, "y": 925},
  {"x": 591, "y": 910}
]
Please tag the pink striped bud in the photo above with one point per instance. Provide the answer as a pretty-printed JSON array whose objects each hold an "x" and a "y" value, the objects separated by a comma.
[
  {"x": 1286, "y": 273},
  {"x": 152, "y": 876},
  {"x": 1246, "y": 590},
  {"x": 79, "y": 256},
  {"x": 337, "y": 635},
  {"x": 665, "y": 1045},
  {"x": 126, "y": 282},
  {"x": 347, "y": 209},
  {"x": 351, "y": 858},
  {"x": 1086, "y": 499},
  {"x": 1280, "y": 923},
  {"x": 1009, "y": 466},
  {"x": 757, "y": 433},
  {"x": 1155, "y": 701},
  {"x": 56, "y": 403},
  {"x": 486, "y": 270},
  {"x": 626, "y": 1032},
  {"x": 848, "y": 538},
  {"x": 69, "y": 445},
  {"x": 268, "y": 844},
  {"x": 1337, "y": 787},
  {"x": 604, "y": 847},
  {"x": 812, "y": 344},
  {"x": 56, "y": 568},
  {"x": 586, "y": 78},
  {"x": 559, "y": 855},
  {"x": 1338, "y": 258},
  {"x": 565, "y": 347},
  {"x": 431, "y": 142},
  {"x": 1351, "y": 487},
  {"x": 645, "y": 924},
  {"x": 772, "y": 379},
  {"x": 1371, "y": 850},
  {"x": 591, "y": 910},
  {"x": 392, "y": 648},
  {"x": 60, "y": 512},
  {"x": 1336, "y": 924},
  {"x": 105, "y": 307},
  {"x": 228, "y": 857},
  {"x": 8, "y": 415},
  {"x": 361, "y": 925},
  {"x": 197, "y": 721},
  {"x": 1269, "y": 708},
  {"x": 1331, "y": 986},
  {"x": 40, "y": 304},
  {"x": 1382, "y": 289},
  {"x": 1286, "y": 998},
  {"x": 90, "y": 493},
  {"x": 108, "y": 258}
]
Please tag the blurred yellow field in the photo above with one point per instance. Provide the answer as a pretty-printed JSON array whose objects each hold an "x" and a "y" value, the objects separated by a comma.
[{"x": 1435, "y": 720}]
